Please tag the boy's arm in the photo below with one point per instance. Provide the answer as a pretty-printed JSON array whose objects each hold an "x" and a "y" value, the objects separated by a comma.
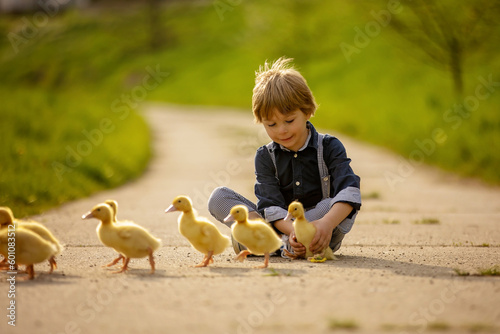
[
  {"x": 345, "y": 183},
  {"x": 339, "y": 167},
  {"x": 286, "y": 227},
  {"x": 271, "y": 203},
  {"x": 326, "y": 225}
]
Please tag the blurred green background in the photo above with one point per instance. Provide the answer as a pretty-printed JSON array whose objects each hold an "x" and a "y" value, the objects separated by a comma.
[{"x": 421, "y": 78}]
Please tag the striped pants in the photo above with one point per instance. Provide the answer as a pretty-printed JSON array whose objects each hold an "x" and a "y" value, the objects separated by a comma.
[{"x": 223, "y": 199}]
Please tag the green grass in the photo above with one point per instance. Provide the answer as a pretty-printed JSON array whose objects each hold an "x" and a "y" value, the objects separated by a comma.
[
  {"x": 438, "y": 326},
  {"x": 48, "y": 158},
  {"x": 461, "y": 272},
  {"x": 67, "y": 77},
  {"x": 479, "y": 327},
  {"x": 275, "y": 272},
  {"x": 427, "y": 221},
  {"x": 491, "y": 271},
  {"x": 346, "y": 324},
  {"x": 371, "y": 195},
  {"x": 391, "y": 221}
]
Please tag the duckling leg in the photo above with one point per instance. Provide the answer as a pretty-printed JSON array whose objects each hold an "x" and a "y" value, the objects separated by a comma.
[
  {"x": 266, "y": 261},
  {"x": 290, "y": 255},
  {"x": 124, "y": 267},
  {"x": 53, "y": 264},
  {"x": 31, "y": 272},
  {"x": 7, "y": 267},
  {"x": 115, "y": 261},
  {"x": 206, "y": 260},
  {"x": 151, "y": 260},
  {"x": 4, "y": 264},
  {"x": 242, "y": 255}
]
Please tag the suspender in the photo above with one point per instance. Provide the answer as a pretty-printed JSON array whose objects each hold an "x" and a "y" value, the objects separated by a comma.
[{"x": 323, "y": 169}]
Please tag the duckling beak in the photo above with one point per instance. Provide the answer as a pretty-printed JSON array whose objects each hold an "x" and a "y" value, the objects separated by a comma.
[
  {"x": 289, "y": 216},
  {"x": 229, "y": 218},
  {"x": 171, "y": 209},
  {"x": 88, "y": 215}
]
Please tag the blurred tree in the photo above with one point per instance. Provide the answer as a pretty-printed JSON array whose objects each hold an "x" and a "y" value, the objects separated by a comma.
[
  {"x": 156, "y": 37},
  {"x": 448, "y": 31}
]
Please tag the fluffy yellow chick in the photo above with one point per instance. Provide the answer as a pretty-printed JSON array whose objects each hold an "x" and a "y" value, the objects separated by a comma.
[
  {"x": 256, "y": 235},
  {"x": 30, "y": 248},
  {"x": 7, "y": 218},
  {"x": 114, "y": 207},
  {"x": 127, "y": 238},
  {"x": 202, "y": 234},
  {"x": 304, "y": 231}
]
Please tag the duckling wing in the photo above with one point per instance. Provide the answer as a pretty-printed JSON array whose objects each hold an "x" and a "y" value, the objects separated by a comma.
[
  {"x": 208, "y": 238},
  {"x": 265, "y": 239},
  {"x": 42, "y": 231},
  {"x": 31, "y": 248},
  {"x": 133, "y": 240}
]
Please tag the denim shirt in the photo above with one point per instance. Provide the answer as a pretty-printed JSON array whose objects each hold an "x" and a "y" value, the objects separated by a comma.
[{"x": 299, "y": 177}]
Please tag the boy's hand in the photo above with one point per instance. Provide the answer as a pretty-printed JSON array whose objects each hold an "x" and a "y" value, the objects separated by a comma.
[
  {"x": 298, "y": 248},
  {"x": 322, "y": 237}
]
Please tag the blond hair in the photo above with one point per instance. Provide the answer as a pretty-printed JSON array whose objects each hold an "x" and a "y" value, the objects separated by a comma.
[{"x": 280, "y": 86}]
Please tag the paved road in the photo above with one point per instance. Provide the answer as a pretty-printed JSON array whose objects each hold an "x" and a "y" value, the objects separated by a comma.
[{"x": 392, "y": 275}]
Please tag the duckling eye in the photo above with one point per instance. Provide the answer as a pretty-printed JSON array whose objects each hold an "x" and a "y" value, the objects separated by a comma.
[
  {"x": 178, "y": 201},
  {"x": 99, "y": 209}
]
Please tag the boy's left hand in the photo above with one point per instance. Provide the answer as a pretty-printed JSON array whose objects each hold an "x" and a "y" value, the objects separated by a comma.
[{"x": 322, "y": 237}]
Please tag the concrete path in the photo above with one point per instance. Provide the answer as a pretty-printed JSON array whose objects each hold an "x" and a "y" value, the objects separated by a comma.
[{"x": 394, "y": 273}]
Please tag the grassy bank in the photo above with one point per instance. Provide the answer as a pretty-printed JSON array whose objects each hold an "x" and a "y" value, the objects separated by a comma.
[
  {"x": 74, "y": 71},
  {"x": 59, "y": 147}
]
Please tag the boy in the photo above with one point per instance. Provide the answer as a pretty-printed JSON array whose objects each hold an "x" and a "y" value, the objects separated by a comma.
[{"x": 299, "y": 164}]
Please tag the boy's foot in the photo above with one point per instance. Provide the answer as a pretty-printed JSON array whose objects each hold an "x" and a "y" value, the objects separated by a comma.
[
  {"x": 237, "y": 247},
  {"x": 286, "y": 248}
]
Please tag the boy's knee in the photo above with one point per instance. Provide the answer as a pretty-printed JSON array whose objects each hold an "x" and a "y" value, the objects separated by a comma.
[{"x": 216, "y": 195}]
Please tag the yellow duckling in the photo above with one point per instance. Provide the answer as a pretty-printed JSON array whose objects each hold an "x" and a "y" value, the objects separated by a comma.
[
  {"x": 114, "y": 207},
  {"x": 30, "y": 248},
  {"x": 256, "y": 235},
  {"x": 127, "y": 238},
  {"x": 202, "y": 234},
  {"x": 7, "y": 218},
  {"x": 305, "y": 231}
]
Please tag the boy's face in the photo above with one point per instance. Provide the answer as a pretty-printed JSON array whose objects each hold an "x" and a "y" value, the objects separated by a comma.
[{"x": 288, "y": 130}]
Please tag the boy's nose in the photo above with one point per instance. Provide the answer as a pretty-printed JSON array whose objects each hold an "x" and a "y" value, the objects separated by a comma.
[{"x": 282, "y": 129}]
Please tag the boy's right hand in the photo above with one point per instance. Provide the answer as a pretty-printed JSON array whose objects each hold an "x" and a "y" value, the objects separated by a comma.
[{"x": 298, "y": 249}]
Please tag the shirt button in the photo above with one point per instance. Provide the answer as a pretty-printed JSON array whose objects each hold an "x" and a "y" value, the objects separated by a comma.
[
  {"x": 325, "y": 178},
  {"x": 297, "y": 183},
  {"x": 295, "y": 155}
]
